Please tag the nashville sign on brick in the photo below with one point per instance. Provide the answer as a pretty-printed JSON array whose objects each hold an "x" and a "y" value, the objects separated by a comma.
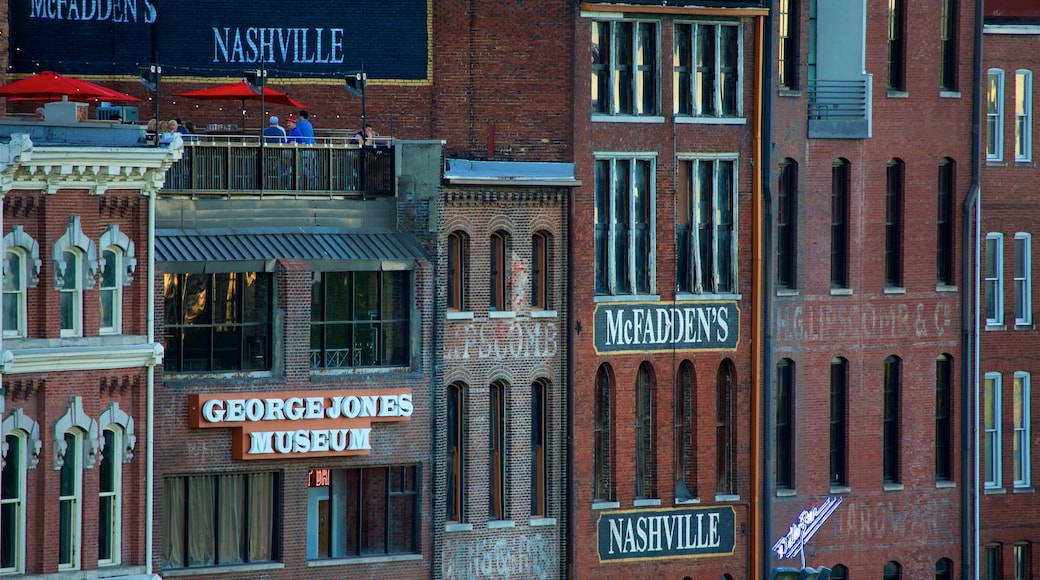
[
  {"x": 641, "y": 327},
  {"x": 666, "y": 533}
]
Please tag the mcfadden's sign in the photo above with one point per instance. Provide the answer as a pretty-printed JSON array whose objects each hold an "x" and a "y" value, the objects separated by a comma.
[
  {"x": 649, "y": 326},
  {"x": 666, "y": 533},
  {"x": 281, "y": 424}
]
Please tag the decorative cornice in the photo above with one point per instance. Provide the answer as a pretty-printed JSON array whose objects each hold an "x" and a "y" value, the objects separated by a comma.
[
  {"x": 533, "y": 196},
  {"x": 25, "y": 166},
  {"x": 80, "y": 358}
]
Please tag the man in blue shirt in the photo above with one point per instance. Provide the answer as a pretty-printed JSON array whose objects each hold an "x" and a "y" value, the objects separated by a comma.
[{"x": 306, "y": 129}]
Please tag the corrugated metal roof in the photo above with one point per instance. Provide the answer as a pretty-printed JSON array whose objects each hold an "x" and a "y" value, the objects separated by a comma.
[
  {"x": 470, "y": 172},
  {"x": 224, "y": 250}
]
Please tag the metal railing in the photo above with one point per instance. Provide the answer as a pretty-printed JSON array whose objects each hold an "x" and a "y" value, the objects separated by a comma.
[
  {"x": 842, "y": 100},
  {"x": 242, "y": 165}
]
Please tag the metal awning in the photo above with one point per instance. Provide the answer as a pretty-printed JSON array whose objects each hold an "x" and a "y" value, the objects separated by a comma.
[
  {"x": 256, "y": 250},
  {"x": 528, "y": 173}
]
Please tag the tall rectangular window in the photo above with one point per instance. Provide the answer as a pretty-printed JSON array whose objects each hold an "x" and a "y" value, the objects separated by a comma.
[
  {"x": 994, "y": 273},
  {"x": 785, "y": 424},
  {"x": 707, "y": 226},
  {"x": 624, "y": 226},
  {"x": 500, "y": 272},
  {"x": 625, "y": 68},
  {"x": 644, "y": 435},
  {"x": 603, "y": 486},
  {"x": 218, "y": 322},
  {"x": 1022, "y": 553},
  {"x": 456, "y": 418},
  {"x": 890, "y": 443},
  {"x": 786, "y": 226},
  {"x": 943, "y": 419},
  {"x": 838, "y": 422},
  {"x": 1023, "y": 279},
  {"x": 497, "y": 451},
  {"x": 948, "y": 46},
  {"x": 12, "y": 506},
  {"x": 14, "y": 294},
  {"x": 994, "y": 567},
  {"x": 787, "y": 47},
  {"x": 111, "y": 290},
  {"x": 363, "y": 512},
  {"x": 70, "y": 507},
  {"x": 992, "y": 430},
  {"x": 995, "y": 115},
  {"x": 109, "y": 492},
  {"x": 840, "y": 224},
  {"x": 540, "y": 271},
  {"x": 72, "y": 293},
  {"x": 457, "y": 249},
  {"x": 685, "y": 486},
  {"x": 1023, "y": 115},
  {"x": 944, "y": 224},
  {"x": 221, "y": 520},
  {"x": 539, "y": 443},
  {"x": 724, "y": 484},
  {"x": 897, "y": 45},
  {"x": 1022, "y": 418},
  {"x": 894, "y": 225},
  {"x": 360, "y": 319},
  {"x": 707, "y": 79}
]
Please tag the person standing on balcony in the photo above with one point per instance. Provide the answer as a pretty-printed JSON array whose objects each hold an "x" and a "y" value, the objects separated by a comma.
[
  {"x": 274, "y": 133},
  {"x": 305, "y": 128}
]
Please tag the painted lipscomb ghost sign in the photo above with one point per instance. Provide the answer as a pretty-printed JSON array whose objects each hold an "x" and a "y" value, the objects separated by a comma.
[
  {"x": 649, "y": 326},
  {"x": 666, "y": 533},
  {"x": 388, "y": 38}
]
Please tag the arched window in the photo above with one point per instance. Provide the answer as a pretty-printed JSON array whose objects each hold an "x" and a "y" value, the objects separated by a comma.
[
  {"x": 21, "y": 271},
  {"x": 893, "y": 571},
  {"x": 497, "y": 449},
  {"x": 458, "y": 248},
  {"x": 117, "y": 264},
  {"x": 70, "y": 502},
  {"x": 12, "y": 505},
  {"x": 75, "y": 264},
  {"x": 786, "y": 226},
  {"x": 540, "y": 247},
  {"x": 455, "y": 452},
  {"x": 539, "y": 442},
  {"x": 724, "y": 484},
  {"x": 603, "y": 489},
  {"x": 109, "y": 495},
  {"x": 646, "y": 483},
  {"x": 683, "y": 444},
  {"x": 944, "y": 569},
  {"x": 890, "y": 433},
  {"x": 839, "y": 422},
  {"x": 500, "y": 294},
  {"x": 785, "y": 424},
  {"x": 944, "y": 418},
  {"x": 840, "y": 572}
]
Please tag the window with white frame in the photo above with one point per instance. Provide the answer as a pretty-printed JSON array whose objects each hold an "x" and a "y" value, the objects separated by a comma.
[
  {"x": 994, "y": 290},
  {"x": 12, "y": 504},
  {"x": 21, "y": 270},
  {"x": 625, "y": 68},
  {"x": 707, "y": 225},
  {"x": 1023, "y": 115},
  {"x": 75, "y": 264},
  {"x": 707, "y": 69},
  {"x": 117, "y": 265},
  {"x": 992, "y": 430},
  {"x": 625, "y": 225},
  {"x": 995, "y": 115},
  {"x": 109, "y": 496},
  {"x": 1021, "y": 419},
  {"x": 70, "y": 505},
  {"x": 1023, "y": 279}
]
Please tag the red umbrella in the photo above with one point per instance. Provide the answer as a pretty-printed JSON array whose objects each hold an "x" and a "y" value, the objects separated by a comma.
[
  {"x": 51, "y": 86},
  {"x": 242, "y": 91}
]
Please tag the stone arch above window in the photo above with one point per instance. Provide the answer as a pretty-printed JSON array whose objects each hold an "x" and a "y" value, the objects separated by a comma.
[
  {"x": 17, "y": 238},
  {"x": 75, "y": 238},
  {"x": 113, "y": 415},
  {"x": 113, "y": 237},
  {"x": 18, "y": 421},
  {"x": 75, "y": 417}
]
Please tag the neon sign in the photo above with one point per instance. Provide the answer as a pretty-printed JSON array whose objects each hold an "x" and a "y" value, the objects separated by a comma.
[{"x": 809, "y": 521}]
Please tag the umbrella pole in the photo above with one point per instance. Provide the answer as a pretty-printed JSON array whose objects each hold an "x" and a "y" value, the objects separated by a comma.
[{"x": 243, "y": 115}]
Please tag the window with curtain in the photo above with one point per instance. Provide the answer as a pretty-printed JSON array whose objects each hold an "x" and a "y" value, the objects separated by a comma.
[
  {"x": 218, "y": 322},
  {"x": 221, "y": 520},
  {"x": 360, "y": 319},
  {"x": 646, "y": 482},
  {"x": 364, "y": 512},
  {"x": 625, "y": 226},
  {"x": 602, "y": 461},
  {"x": 625, "y": 68}
]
